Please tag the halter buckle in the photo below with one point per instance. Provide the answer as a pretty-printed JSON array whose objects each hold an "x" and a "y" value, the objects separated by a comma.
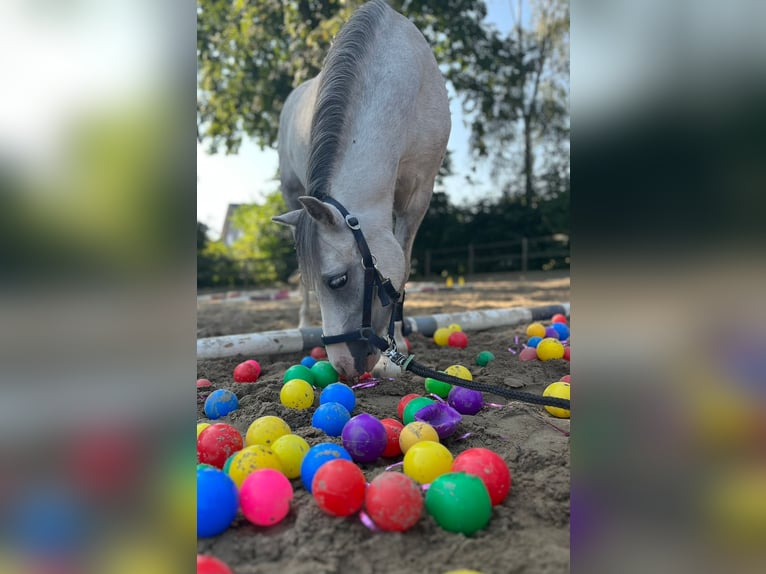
[{"x": 353, "y": 222}]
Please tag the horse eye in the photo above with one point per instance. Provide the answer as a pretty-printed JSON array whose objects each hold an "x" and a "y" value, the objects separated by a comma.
[{"x": 338, "y": 281}]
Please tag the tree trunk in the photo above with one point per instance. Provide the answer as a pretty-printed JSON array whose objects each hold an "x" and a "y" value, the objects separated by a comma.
[{"x": 528, "y": 162}]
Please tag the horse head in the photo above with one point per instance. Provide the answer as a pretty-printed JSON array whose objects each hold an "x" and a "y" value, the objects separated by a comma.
[{"x": 331, "y": 262}]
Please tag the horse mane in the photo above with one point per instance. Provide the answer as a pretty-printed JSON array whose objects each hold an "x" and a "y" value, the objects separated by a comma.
[{"x": 340, "y": 72}]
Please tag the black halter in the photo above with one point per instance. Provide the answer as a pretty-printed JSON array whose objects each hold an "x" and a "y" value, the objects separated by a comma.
[{"x": 387, "y": 293}]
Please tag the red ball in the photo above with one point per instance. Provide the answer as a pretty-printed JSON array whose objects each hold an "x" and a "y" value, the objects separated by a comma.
[
  {"x": 394, "y": 502},
  {"x": 318, "y": 353},
  {"x": 211, "y": 565},
  {"x": 409, "y": 345},
  {"x": 217, "y": 443},
  {"x": 559, "y": 318},
  {"x": 247, "y": 372},
  {"x": 489, "y": 467},
  {"x": 566, "y": 353},
  {"x": 393, "y": 429},
  {"x": 566, "y": 379},
  {"x": 403, "y": 403},
  {"x": 339, "y": 487},
  {"x": 203, "y": 383},
  {"x": 458, "y": 339}
]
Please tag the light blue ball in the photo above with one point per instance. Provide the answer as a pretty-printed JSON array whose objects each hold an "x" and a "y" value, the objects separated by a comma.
[
  {"x": 339, "y": 393},
  {"x": 220, "y": 403},
  {"x": 534, "y": 341},
  {"x": 331, "y": 418}
]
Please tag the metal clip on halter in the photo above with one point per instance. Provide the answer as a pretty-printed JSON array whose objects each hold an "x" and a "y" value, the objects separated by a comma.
[{"x": 398, "y": 358}]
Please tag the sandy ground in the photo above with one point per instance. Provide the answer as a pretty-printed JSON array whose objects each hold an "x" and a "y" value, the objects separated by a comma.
[{"x": 529, "y": 532}]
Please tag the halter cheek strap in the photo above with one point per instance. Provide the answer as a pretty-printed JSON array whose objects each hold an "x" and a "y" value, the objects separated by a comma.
[{"x": 373, "y": 280}]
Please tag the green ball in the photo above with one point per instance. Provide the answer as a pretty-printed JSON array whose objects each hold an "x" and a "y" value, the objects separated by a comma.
[
  {"x": 414, "y": 406},
  {"x": 299, "y": 372},
  {"x": 459, "y": 502},
  {"x": 438, "y": 387},
  {"x": 227, "y": 464},
  {"x": 324, "y": 374},
  {"x": 484, "y": 357},
  {"x": 204, "y": 465}
]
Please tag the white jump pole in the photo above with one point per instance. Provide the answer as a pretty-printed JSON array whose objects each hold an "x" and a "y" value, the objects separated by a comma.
[{"x": 297, "y": 340}]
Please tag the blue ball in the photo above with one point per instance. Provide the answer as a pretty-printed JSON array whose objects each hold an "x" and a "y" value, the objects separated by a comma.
[
  {"x": 562, "y": 330},
  {"x": 217, "y": 502},
  {"x": 339, "y": 393},
  {"x": 534, "y": 341},
  {"x": 331, "y": 418},
  {"x": 317, "y": 456},
  {"x": 220, "y": 403},
  {"x": 308, "y": 361}
]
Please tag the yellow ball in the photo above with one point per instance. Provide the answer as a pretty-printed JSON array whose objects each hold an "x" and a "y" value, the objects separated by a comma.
[
  {"x": 297, "y": 394},
  {"x": 454, "y": 327},
  {"x": 290, "y": 450},
  {"x": 550, "y": 348},
  {"x": 250, "y": 459},
  {"x": 416, "y": 432},
  {"x": 560, "y": 390},
  {"x": 426, "y": 461},
  {"x": 536, "y": 330},
  {"x": 201, "y": 427},
  {"x": 460, "y": 372},
  {"x": 441, "y": 336},
  {"x": 266, "y": 430}
]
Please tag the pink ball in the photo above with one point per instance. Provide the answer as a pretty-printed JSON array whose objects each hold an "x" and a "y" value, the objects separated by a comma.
[
  {"x": 265, "y": 497},
  {"x": 211, "y": 565},
  {"x": 203, "y": 383},
  {"x": 247, "y": 372},
  {"x": 566, "y": 379},
  {"x": 528, "y": 354},
  {"x": 566, "y": 353},
  {"x": 458, "y": 339}
]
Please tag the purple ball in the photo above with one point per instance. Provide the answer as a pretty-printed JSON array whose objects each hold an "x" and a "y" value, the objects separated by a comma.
[
  {"x": 365, "y": 438},
  {"x": 465, "y": 401},
  {"x": 442, "y": 417},
  {"x": 551, "y": 332}
]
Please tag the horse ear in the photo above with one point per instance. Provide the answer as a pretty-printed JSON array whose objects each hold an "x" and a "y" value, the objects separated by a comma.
[
  {"x": 318, "y": 210},
  {"x": 290, "y": 218}
]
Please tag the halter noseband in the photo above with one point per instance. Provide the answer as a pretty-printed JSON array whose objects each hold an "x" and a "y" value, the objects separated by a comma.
[{"x": 372, "y": 278}]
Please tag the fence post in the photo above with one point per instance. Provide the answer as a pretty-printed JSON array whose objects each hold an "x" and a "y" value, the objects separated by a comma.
[
  {"x": 428, "y": 263},
  {"x": 470, "y": 259},
  {"x": 524, "y": 253}
]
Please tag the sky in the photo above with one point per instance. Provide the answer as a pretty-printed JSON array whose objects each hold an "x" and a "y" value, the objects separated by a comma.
[{"x": 249, "y": 175}]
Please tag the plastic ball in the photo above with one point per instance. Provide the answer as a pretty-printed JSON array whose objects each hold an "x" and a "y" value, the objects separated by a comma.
[
  {"x": 489, "y": 467},
  {"x": 463, "y": 571},
  {"x": 559, "y": 318},
  {"x": 216, "y": 443},
  {"x": 266, "y": 430},
  {"x": 394, "y": 502},
  {"x": 528, "y": 354},
  {"x": 220, "y": 403},
  {"x": 549, "y": 349},
  {"x": 331, "y": 418},
  {"x": 413, "y": 407},
  {"x": 559, "y": 390},
  {"x": 203, "y": 383},
  {"x": 427, "y": 460},
  {"x": 297, "y": 394},
  {"x": 441, "y": 336},
  {"x": 247, "y": 372},
  {"x": 393, "y": 431},
  {"x": 318, "y": 353},
  {"x": 408, "y": 344},
  {"x": 298, "y": 372},
  {"x": 460, "y": 372},
  {"x": 534, "y": 341},
  {"x": 317, "y": 456},
  {"x": 201, "y": 427},
  {"x": 308, "y": 361},
  {"x": 339, "y": 487},
  {"x": 567, "y": 353},
  {"x": 536, "y": 330},
  {"x": 217, "y": 501},
  {"x": 290, "y": 450},
  {"x": 562, "y": 330},
  {"x": 551, "y": 333},
  {"x": 339, "y": 393},
  {"x": 403, "y": 403},
  {"x": 437, "y": 387},
  {"x": 415, "y": 432},
  {"x": 465, "y": 401},
  {"x": 454, "y": 327},
  {"x": 442, "y": 417},
  {"x": 458, "y": 339},
  {"x": 566, "y": 379},
  {"x": 324, "y": 374},
  {"x": 211, "y": 565},
  {"x": 459, "y": 502},
  {"x": 265, "y": 497},
  {"x": 483, "y": 358},
  {"x": 365, "y": 438},
  {"x": 227, "y": 464},
  {"x": 250, "y": 459},
  {"x": 205, "y": 465}
]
